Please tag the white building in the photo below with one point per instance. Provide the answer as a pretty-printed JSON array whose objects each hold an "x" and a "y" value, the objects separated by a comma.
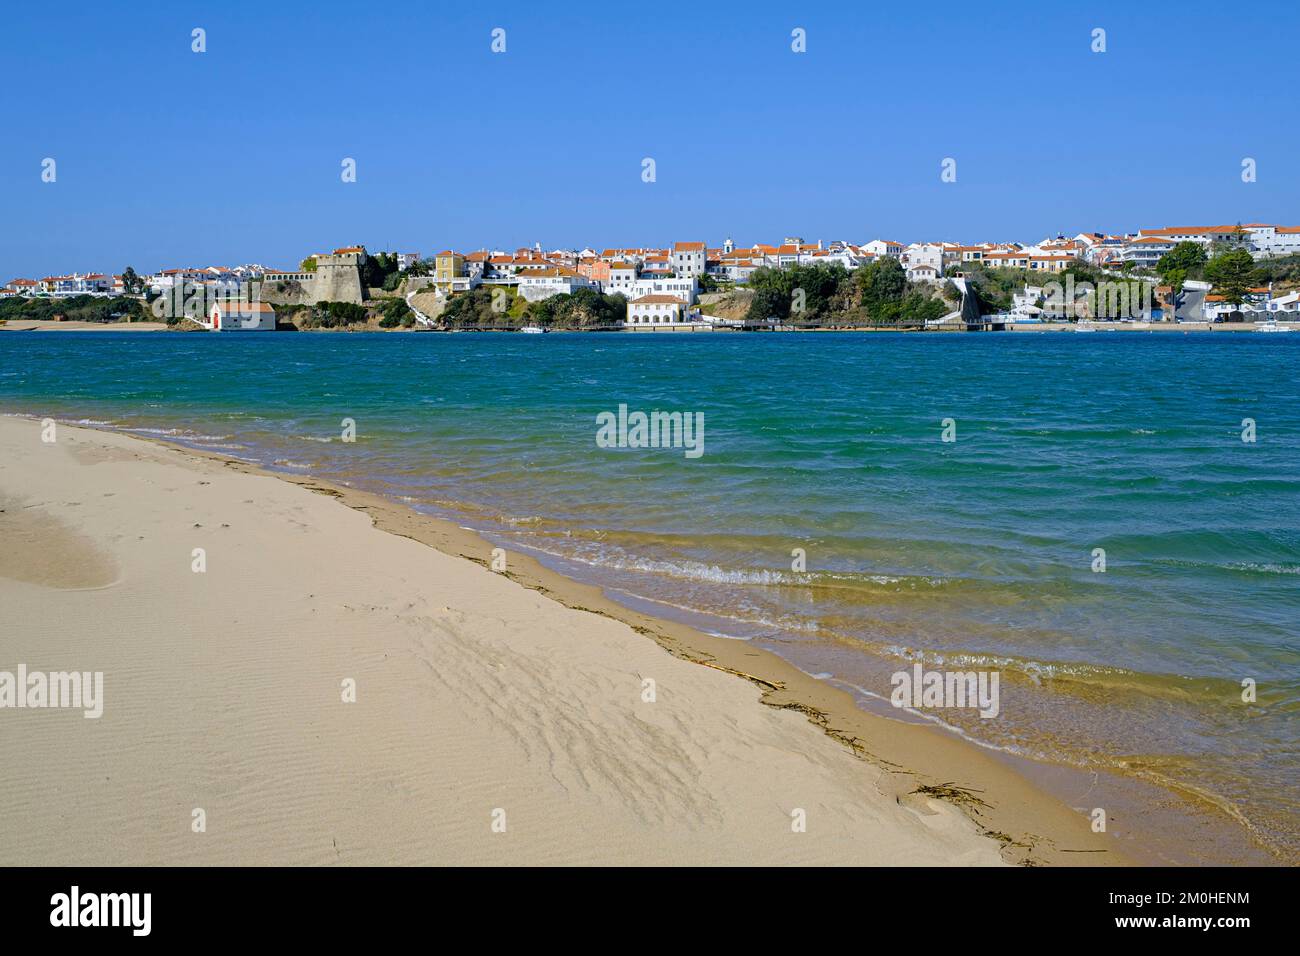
[
  {"x": 1263, "y": 240},
  {"x": 734, "y": 267},
  {"x": 687, "y": 259},
  {"x": 884, "y": 247},
  {"x": 924, "y": 254},
  {"x": 685, "y": 289},
  {"x": 1288, "y": 305},
  {"x": 1024, "y": 304},
  {"x": 622, "y": 279},
  {"x": 236, "y": 315},
  {"x": 1146, "y": 251},
  {"x": 1270, "y": 242},
  {"x": 1051, "y": 262},
  {"x": 537, "y": 284},
  {"x": 76, "y": 284},
  {"x": 656, "y": 311}
]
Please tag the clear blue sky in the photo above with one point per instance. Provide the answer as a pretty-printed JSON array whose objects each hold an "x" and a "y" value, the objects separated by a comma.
[{"x": 170, "y": 158}]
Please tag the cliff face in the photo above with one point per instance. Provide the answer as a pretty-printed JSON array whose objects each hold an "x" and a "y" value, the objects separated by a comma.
[
  {"x": 731, "y": 305},
  {"x": 428, "y": 303}
]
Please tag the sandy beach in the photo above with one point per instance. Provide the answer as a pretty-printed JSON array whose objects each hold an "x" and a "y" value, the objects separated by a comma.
[
  {"x": 41, "y": 325},
  {"x": 499, "y": 718}
]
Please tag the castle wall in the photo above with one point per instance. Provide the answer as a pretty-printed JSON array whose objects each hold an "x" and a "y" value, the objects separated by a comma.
[{"x": 336, "y": 279}]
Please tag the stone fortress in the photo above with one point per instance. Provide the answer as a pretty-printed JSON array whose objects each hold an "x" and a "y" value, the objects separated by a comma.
[{"x": 336, "y": 278}]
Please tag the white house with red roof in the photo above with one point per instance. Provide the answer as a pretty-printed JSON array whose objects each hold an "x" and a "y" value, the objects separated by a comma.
[
  {"x": 1146, "y": 250},
  {"x": 537, "y": 284},
  {"x": 239, "y": 315},
  {"x": 94, "y": 283},
  {"x": 884, "y": 247},
  {"x": 679, "y": 287},
  {"x": 656, "y": 311},
  {"x": 688, "y": 259}
]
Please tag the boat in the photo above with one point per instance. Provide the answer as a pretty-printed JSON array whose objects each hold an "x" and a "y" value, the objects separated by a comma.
[
  {"x": 533, "y": 329},
  {"x": 1270, "y": 325},
  {"x": 1085, "y": 326}
]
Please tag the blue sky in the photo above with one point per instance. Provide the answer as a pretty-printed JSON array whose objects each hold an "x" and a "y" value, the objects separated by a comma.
[{"x": 166, "y": 157}]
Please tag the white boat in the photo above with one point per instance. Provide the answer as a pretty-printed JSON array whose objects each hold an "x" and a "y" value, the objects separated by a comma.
[
  {"x": 1270, "y": 325},
  {"x": 533, "y": 329},
  {"x": 1084, "y": 326}
]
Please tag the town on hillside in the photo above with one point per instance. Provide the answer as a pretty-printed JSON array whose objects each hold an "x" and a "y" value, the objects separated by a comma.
[{"x": 1241, "y": 273}]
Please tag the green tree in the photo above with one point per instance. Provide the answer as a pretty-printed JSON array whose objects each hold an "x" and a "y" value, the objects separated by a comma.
[
  {"x": 335, "y": 314},
  {"x": 130, "y": 281},
  {"x": 394, "y": 312},
  {"x": 1187, "y": 256},
  {"x": 767, "y": 303},
  {"x": 917, "y": 308},
  {"x": 307, "y": 265},
  {"x": 1174, "y": 278},
  {"x": 1233, "y": 275},
  {"x": 882, "y": 282},
  {"x": 377, "y": 270}
]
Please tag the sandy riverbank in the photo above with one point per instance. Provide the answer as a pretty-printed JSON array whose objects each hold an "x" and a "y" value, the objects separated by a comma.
[
  {"x": 476, "y": 692},
  {"x": 41, "y": 325}
]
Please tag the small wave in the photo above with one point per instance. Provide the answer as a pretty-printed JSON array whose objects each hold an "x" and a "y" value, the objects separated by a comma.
[
  {"x": 809, "y": 627},
  {"x": 325, "y": 439},
  {"x": 1265, "y": 568},
  {"x": 286, "y": 463},
  {"x": 182, "y": 434},
  {"x": 725, "y": 637},
  {"x": 716, "y": 574}
]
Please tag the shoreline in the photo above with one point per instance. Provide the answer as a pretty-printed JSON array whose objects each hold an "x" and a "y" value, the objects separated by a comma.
[
  {"x": 997, "y": 790},
  {"x": 908, "y": 761},
  {"x": 36, "y": 325},
  {"x": 226, "y": 736}
]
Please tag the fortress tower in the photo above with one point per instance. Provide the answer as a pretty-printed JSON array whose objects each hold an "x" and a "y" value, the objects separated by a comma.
[{"x": 337, "y": 278}]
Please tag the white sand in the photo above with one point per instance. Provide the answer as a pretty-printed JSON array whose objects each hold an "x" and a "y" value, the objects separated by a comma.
[
  {"x": 222, "y": 692},
  {"x": 46, "y": 325}
]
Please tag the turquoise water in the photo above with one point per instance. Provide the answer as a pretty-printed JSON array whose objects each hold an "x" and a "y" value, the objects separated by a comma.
[{"x": 976, "y": 553}]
